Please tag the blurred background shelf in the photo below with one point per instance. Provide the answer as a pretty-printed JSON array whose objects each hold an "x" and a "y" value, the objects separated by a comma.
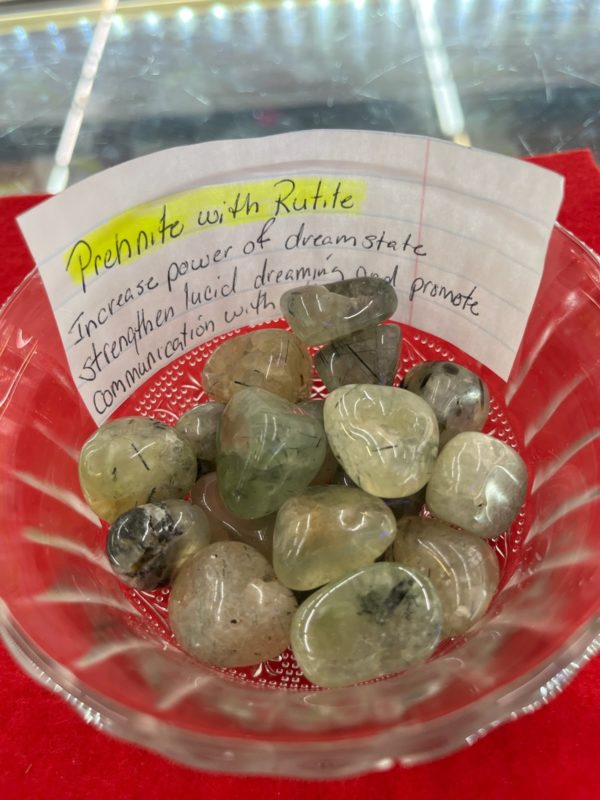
[{"x": 84, "y": 86}]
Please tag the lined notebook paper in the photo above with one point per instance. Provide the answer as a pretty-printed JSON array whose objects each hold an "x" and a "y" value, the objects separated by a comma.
[{"x": 151, "y": 258}]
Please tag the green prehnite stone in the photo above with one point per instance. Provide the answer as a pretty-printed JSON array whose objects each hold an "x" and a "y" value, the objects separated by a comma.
[
  {"x": 225, "y": 526},
  {"x": 478, "y": 484},
  {"x": 320, "y": 314},
  {"x": 226, "y": 607},
  {"x": 367, "y": 356},
  {"x": 330, "y": 463},
  {"x": 376, "y": 621},
  {"x": 459, "y": 398},
  {"x": 399, "y": 506},
  {"x": 269, "y": 450},
  {"x": 272, "y": 359},
  {"x": 386, "y": 439},
  {"x": 132, "y": 461},
  {"x": 462, "y": 567},
  {"x": 199, "y": 426},
  {"x": 328, "y": 531}
]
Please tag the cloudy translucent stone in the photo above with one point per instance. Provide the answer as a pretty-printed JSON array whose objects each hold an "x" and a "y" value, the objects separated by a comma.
[
  {"x": 478, "y": 484},
  {"x": 373, "y": 622},
  {"x": 269, "y": 450},
  {"x": 199, "y": 427},
  {"x": 272, "y": 359},
  {"x": 132, "y": 461},
  {"x": 320, "y": 314},
  {"x": 327, "y": 531},
  {"x": 462, "y": 567},
  {"x": 459, "y": 398},
  {"x": 148, "y": 544},
  {"x": 227, "y": 608},
  {"x": 386, "y": 439},
  {"x": 367, "y": 356},
  {"x": 225, "y": 526}
]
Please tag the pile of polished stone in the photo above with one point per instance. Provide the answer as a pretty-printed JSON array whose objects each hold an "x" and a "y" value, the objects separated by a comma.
[{"x": 304, "y": 528}]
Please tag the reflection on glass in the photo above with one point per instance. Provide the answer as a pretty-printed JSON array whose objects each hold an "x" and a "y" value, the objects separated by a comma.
[{"x": 516, "y": 79}]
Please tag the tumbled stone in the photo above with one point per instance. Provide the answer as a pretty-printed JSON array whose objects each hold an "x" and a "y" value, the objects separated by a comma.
[
  {"x": 459, "y": 398},
  {"x": 227, "y": 608},
  {"x": 462, "y": 567},
  {"x": 269, "y": 450},
  {"x": 225, "y": 526},
  {"x": 386, "y": 439},
  {"x": 367, "y": 356},
  {"x": 375, "y": 621},
  {"x": 320, "y": 314},
  {"x": 199, "y": 426},
  {"x": 148, "y": 544},
  {"x": 328, "y": 531},
  {"x": 478, "y": 484},
  {"x": 271, "y": 359},
  {"x": 132, "y": 461},
  {"x": 330, "y": 463},
  {"x": 399, "y": 506}
]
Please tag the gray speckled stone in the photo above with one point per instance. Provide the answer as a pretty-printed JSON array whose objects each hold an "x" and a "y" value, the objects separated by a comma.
[
  {"x": 226, "y": 607},
  {"x": 376, "y": 621},
  {"x": 459, "y": 398},
  {"x": 328, "y": 531},
  {"x": 132, "y": 461},
  {"x": 320, "y": 314},
  {"x": 478, "y": 484},
  {"x": 386, "y": 439},
  {"x": 148, "y": 544},
  {"x": 367, "y": 356},
  {"x": 462, "y": 567}
]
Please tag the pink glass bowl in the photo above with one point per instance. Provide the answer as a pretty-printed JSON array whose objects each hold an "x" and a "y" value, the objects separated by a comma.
[{"x": 71, "y": 625}]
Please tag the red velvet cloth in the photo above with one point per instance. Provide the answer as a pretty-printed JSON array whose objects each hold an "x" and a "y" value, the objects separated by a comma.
[{"x": 47, "y": 751}]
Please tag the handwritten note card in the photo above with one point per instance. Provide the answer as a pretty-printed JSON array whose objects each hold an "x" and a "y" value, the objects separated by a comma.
[{"x": 151, "y": 258}]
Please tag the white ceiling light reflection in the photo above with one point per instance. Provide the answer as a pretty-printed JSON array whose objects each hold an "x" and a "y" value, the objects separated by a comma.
[
  {"x": 20, "y": 33},
  {"x": 500, "y": 13},
  {"x": 118, "y": 24},
  {"x": 358, "y": 25},
  {"x": 57, "y": 39},
  {"x": 324, "y": 21},
  {"x": 219, "y": 11},
  {"x": 290, "y": 23},
  {"x": 86, "y": 28},
  {"x": 22, "y": 45},
  {"x": 220, "y": 23},
  {"x": 255, "y": 20},
  {"x": 185, "y": 15},
  {"x": 152, "y": 20}
]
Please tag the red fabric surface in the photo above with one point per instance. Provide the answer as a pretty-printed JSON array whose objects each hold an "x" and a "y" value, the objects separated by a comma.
[{"x": 47, "y": 751}]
